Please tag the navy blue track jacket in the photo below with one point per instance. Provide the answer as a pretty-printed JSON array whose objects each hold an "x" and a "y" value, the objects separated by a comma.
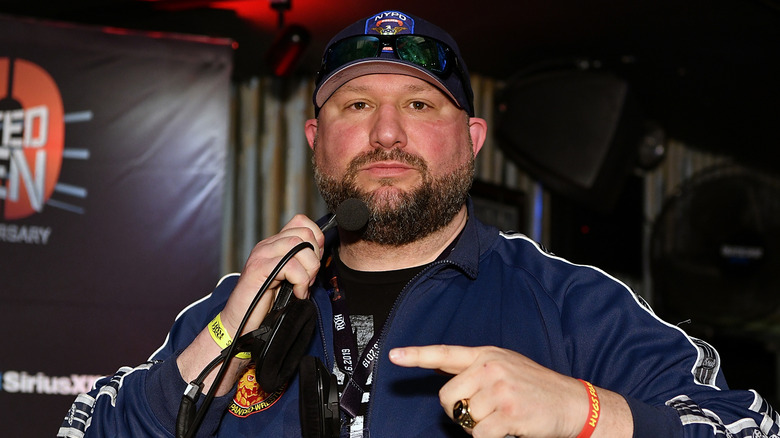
[{"x": 493, "y": 289}]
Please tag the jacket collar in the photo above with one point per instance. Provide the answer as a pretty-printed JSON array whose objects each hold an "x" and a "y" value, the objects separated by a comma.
[{"x": 466, "y": 253}]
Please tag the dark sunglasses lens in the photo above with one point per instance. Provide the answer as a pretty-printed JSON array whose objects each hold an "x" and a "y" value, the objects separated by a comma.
[
  {"x": 424, "y": 52},
  {"x": 351, "y": 49}
]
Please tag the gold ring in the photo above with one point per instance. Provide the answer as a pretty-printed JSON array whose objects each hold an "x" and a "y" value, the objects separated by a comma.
[{"x": 462, "y": 414}]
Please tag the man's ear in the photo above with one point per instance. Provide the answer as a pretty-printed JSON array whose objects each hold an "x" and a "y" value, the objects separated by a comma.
[
  {"x": 310, "y": 128},
  {"x": 478, "y": 130}
]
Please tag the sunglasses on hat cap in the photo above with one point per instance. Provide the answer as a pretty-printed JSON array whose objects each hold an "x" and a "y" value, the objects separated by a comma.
[
  {"x": 428, "y": 53},
  {"x": 394, "y": 42}
]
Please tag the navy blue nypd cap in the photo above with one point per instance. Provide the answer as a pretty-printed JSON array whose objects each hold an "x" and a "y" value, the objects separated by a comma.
[{"x": 398, "y": 43}]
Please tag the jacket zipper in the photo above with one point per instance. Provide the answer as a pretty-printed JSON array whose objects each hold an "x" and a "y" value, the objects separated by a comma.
[
  {"x": 383, "y": 335},
  {"x": 329, "y": 359}
]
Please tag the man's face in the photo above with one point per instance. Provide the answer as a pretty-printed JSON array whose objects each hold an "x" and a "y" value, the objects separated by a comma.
[{"x": 399, "y": 144}]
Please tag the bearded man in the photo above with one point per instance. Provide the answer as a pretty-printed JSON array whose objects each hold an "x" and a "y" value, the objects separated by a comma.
[{"x": 434, "y": 324}]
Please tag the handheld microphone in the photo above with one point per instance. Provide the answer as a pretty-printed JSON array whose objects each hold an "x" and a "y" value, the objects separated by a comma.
[{"x": 351, "y": 215}]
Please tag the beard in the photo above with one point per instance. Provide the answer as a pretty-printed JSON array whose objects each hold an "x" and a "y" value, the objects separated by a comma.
[{"x": 400, "y": 217}]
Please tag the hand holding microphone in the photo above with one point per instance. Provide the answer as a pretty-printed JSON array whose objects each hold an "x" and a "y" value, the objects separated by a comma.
[
  {"x": 351, "y": 215},
  {"x": 298, "y": 274},
  {"x": 279, "y": 343}
]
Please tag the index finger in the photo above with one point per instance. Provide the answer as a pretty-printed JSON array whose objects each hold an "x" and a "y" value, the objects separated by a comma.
[{"x": 452, "y": 359}]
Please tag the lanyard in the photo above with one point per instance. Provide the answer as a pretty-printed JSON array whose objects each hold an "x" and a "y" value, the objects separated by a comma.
[{"x": 358, "y": 370}]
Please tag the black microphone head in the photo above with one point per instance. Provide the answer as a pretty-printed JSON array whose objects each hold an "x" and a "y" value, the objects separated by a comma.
[{"x": 352, "y": 214}]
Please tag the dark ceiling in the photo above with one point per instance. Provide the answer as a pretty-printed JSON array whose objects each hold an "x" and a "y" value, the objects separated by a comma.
[{"x": 705, "y": 69}]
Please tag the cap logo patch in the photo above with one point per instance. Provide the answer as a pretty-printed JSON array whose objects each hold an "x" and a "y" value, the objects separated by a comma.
[{"x": 389, "y": 23}]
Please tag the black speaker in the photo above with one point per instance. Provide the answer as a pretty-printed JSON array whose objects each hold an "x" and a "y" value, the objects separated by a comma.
[{"x": 576, "y": 131}]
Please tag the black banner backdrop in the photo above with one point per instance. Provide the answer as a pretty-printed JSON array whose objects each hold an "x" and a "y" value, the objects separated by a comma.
[{"x": 112, "y": 168}]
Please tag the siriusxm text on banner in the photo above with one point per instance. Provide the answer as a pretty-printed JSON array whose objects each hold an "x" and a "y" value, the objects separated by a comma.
[{"x": 24, "y": 382}]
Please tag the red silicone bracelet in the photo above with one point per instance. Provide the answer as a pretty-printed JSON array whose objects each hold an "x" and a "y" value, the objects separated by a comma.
[{"x": 593, "y": 415}]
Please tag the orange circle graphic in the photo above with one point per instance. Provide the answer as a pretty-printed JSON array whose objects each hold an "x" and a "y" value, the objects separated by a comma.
[{"x": 32, "y": 138}]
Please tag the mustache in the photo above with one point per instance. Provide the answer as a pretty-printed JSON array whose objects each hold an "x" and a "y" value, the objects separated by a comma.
[{"x": 394, "y": 154}]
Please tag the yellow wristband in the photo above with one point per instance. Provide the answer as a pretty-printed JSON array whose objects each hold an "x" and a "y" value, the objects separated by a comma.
[{"x": 222, "y": 338}]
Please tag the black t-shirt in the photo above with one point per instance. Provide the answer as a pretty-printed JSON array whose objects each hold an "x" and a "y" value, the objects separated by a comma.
[{"x": 370, "y": 296}]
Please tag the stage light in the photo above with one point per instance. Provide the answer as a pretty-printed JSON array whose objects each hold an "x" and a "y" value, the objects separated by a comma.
[{"x": 286, "y": 50}]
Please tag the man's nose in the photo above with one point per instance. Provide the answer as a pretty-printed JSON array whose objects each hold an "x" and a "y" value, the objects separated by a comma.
[{"x": 388, "y": 130}]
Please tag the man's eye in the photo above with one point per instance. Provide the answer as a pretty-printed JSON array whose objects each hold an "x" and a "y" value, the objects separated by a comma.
[
  {"x": 359, "y": 105},
  {"x": 419, "y": 105}
]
